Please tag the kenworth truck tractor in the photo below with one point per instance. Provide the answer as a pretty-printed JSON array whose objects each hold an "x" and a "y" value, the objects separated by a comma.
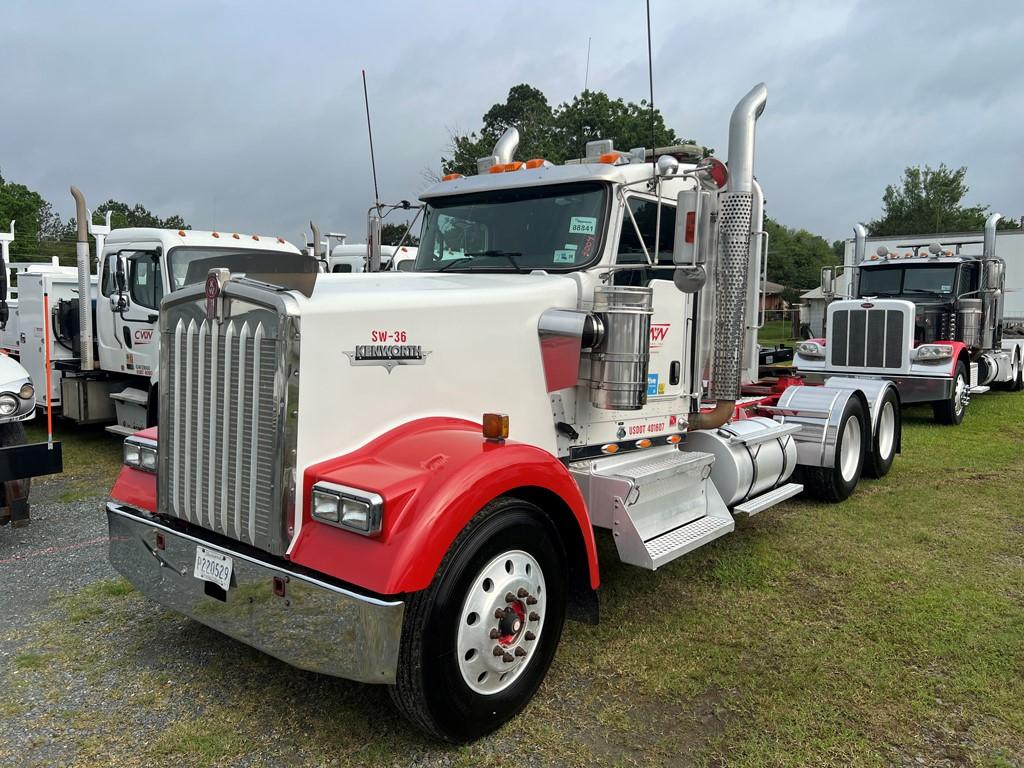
[
  {"x": 397, "y": 477},
  {"x": 932, "y": 316}
]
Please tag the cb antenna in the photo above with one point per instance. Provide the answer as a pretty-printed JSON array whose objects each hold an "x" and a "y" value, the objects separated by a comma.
[
  {"x": 369, "y": 131},
  {"x": 650, "y": 76},
  {"x": 586, "y": 76}
]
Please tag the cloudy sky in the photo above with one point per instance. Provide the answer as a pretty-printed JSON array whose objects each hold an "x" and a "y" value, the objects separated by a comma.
[{"x": 249, "y": 115}]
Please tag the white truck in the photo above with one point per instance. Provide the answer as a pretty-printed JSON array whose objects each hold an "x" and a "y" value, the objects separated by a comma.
[
  {"x": 397, "y": 478},
  {"x": 941, "y": 316},
  {"x": 20, "y": 461},
  {"x": 104, "y": 354}
]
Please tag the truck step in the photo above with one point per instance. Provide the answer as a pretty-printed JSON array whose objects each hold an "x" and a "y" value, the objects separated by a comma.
[
  {"x": 117, "y": 429},
  {"x": 658, "y": 503},
  {"x": 131, "y": 395},
  {"x": 760, "y": 503},
  {"x": 686, "y": 538},
  {"x": 979, "y": 389}
]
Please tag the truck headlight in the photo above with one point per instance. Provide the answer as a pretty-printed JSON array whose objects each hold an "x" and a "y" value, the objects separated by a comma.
[
  {"x": 140, "y": 454},
  {"x": 348, "y": 508},
  {"x": 810, "y": 349},
  {"x": 930, "y": 353},
  {"x": 27, "y": 391},
  {"x": 8, "y": 404}
]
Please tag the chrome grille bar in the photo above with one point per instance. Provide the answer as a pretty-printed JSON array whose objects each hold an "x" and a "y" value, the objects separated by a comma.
[
  {"x": 177, "y": 395},
  {"x": 255, "y": 428},
  {"x": 212, "y": 451},
  {"x": 188, "y": 420},
  {"x": 239, "y": 432},
  {"x": 229, "y": 335}
]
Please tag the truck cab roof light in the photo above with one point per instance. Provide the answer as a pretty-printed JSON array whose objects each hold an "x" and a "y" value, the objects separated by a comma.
[
  {"x": 610, "y": 158},
  {"x": 537, "y": 162},
  {"x": 280, "y": 240},
  {"x": 256, "y": 237},
  {"x": 236, "y": 236},
  {"x": 181, "y": 233},
  {"x": 495, "y": 426},
  {"x": 215, "y": 234},
  {"x": 451, "y": 176}
]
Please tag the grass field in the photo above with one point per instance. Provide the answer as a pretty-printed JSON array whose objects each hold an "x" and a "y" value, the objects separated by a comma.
[{"x": 887, "y": 630}]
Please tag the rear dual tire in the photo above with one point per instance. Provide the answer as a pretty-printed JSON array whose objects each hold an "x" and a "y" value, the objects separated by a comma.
[
  {"x": 835, "y": 483},
  {"x": 463, "y": 671},
  {"x": 885, "y": 441}
]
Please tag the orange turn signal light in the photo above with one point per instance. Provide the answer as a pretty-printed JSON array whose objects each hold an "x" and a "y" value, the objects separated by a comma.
[
  {"x": 256, "y": 237},
  {"x": 673, "y": 439},
  {"x": 609, "y": 448},
  {"x": 181, "y": 233},
  {"x": 237, "y": 236},
  {"x": 451, "y": 176},
  {"x": 495, "y": 426},
  {"x": 537, "y": 162},
  {"x": 215, "y": 234},
  {"x": 609, "y": 158}
]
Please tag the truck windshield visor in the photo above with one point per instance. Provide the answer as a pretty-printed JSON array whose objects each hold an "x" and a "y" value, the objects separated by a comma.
[{"x": 554, "y": 228}]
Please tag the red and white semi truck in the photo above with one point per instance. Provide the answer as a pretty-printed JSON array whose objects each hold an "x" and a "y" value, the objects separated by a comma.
[
  {"x": 941, "y": 316},
  {"x": 397, "y": 477}
]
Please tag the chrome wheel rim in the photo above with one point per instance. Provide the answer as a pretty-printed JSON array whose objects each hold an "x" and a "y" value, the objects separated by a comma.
[
  {"x": 960, "y": 395},
  {"x": 849, "y": 458},
  {"x": 501, "y": 621},
  {"x": 886, "y": 431}
]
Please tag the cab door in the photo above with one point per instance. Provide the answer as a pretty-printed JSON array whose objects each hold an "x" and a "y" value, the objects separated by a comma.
[
  {"x": 668, "y": 327},
  {"x": 136, "y": 328}
]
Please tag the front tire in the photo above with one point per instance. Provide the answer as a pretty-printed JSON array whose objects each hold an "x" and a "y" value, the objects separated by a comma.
[
  {"x": 835, "y": 483},
  {"x": 886, "y": 439},
  {"x": 477, "y": 643},
  {"x": 952, "y": 410}
]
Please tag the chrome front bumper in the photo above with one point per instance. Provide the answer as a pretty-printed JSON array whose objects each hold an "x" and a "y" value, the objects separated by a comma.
[{"x": 314, "y": 625}]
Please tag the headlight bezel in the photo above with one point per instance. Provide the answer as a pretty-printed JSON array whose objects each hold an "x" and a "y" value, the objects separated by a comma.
[
  {"x": 8, "y": 400},
  {"x": 27, "y": 391},
  {"x": 328, "y": 502},
  {"x": 811, "y": 349},
  {"x": 932, "y": 353},
  {"x": 140, "y": 453}
]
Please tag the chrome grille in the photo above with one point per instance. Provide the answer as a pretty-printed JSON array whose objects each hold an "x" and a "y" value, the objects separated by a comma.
[
  {"x": 867, "y": 338},
  {"x": 224, "y": 443}
]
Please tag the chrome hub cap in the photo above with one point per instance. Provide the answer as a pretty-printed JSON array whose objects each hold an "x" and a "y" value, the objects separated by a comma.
[
  {"x": 849, "y": 457},
  {"x": 961, "y": 395},
  {"x": 501, "y": 621},
  {"x": 886, "y": 431}
]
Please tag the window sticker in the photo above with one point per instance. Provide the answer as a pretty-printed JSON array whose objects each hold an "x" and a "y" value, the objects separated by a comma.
[
  {"x": 946, "y": 288},
  {"x": 570, "y": 246},
  {"x": 652, "y": 384},
  {"x": 565, "y": 256},
  {"x": 583, "y": 225}
]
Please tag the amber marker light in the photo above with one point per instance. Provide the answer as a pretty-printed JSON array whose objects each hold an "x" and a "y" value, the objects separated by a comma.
[{"x": 495, "y": 426}]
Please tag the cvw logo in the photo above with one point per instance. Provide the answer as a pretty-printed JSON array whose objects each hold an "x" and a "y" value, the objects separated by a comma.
[
  {"x": 658, "y": 332},
  {"x": 143, "y": 335}
]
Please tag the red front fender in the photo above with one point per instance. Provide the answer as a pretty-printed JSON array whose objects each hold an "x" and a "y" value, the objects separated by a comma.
[{"x": 435, "y": 475}]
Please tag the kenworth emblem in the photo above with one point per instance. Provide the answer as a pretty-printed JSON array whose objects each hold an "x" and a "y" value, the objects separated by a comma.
[
  {"x": 215, "y": 280},
  {"x": 387, "y": 355}
]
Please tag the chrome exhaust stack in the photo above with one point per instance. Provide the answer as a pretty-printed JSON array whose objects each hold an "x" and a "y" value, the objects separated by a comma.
[
  {"x": 84, "y": 282},
  {"x": 503, "y": 152},
  {"x": 860, "y": 243},
  {"x": 989, "y": 248},
  {"x": 736, "y": 209}
]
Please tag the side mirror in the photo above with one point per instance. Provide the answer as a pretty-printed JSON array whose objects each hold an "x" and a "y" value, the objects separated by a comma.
[
  {"x": 373, "y": 244},
  {"x": 119, "y": 297},
  {"x": 828, "y": 282}
]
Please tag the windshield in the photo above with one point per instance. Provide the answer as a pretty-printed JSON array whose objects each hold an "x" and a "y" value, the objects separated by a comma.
[
  {"x": 555, "y": 227},
  {"x": 187, "y": 266},
  {"x": 897, "y": 281}
]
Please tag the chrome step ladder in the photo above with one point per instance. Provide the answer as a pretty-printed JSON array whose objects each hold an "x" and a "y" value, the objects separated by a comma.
[{"x": 659, "y": 503}]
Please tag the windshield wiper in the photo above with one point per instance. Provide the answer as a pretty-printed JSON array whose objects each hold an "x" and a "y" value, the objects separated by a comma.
[{"x": 469, "y": 256}]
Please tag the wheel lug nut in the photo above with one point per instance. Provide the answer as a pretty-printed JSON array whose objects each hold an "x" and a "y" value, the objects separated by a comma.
[
  {"x": 498, "y": 650},
  {"x": 529, "y": 635},
  {"x": 531, "y": 600},
  {"x": 510, "y": 598},
  {"x": 495, "y": 634},
  {"x": 508, "y": 658},
  {"x": 522, "y": 592},
  {"x": 520, "y": 652},
  {"x": 499, "y": 614},
  {"x": 534, "y": 616}
]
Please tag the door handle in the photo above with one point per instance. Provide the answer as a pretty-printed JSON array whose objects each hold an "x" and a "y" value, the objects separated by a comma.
[{"x": 127, "y": 336}]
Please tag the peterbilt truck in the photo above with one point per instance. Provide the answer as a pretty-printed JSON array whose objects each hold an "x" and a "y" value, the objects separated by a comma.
[
  {"x": 396, "y": 478},
  {"x": 103, "y": 354},
  {"x": 936, "y": 315}
]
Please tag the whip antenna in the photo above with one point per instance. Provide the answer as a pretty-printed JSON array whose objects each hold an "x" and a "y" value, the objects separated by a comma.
[
  {"x": 650, "y": 76},
  {"x": 586, "y": 76},
  {"x": 369, "y": 131}
]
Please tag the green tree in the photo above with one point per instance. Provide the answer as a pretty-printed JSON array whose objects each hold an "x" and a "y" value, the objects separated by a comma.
[
  {"x": 123, "y": 215},
  {"x": 560, "y": 133},
  {"x": 796, "y": 256},
  {"x": 929, "y": 200},
  {"x": 36, "y": 222},
  {"x": 391, "y": 234}
]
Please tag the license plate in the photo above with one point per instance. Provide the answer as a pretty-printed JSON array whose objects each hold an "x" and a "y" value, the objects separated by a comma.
[{"x": 213, "y": 566}]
